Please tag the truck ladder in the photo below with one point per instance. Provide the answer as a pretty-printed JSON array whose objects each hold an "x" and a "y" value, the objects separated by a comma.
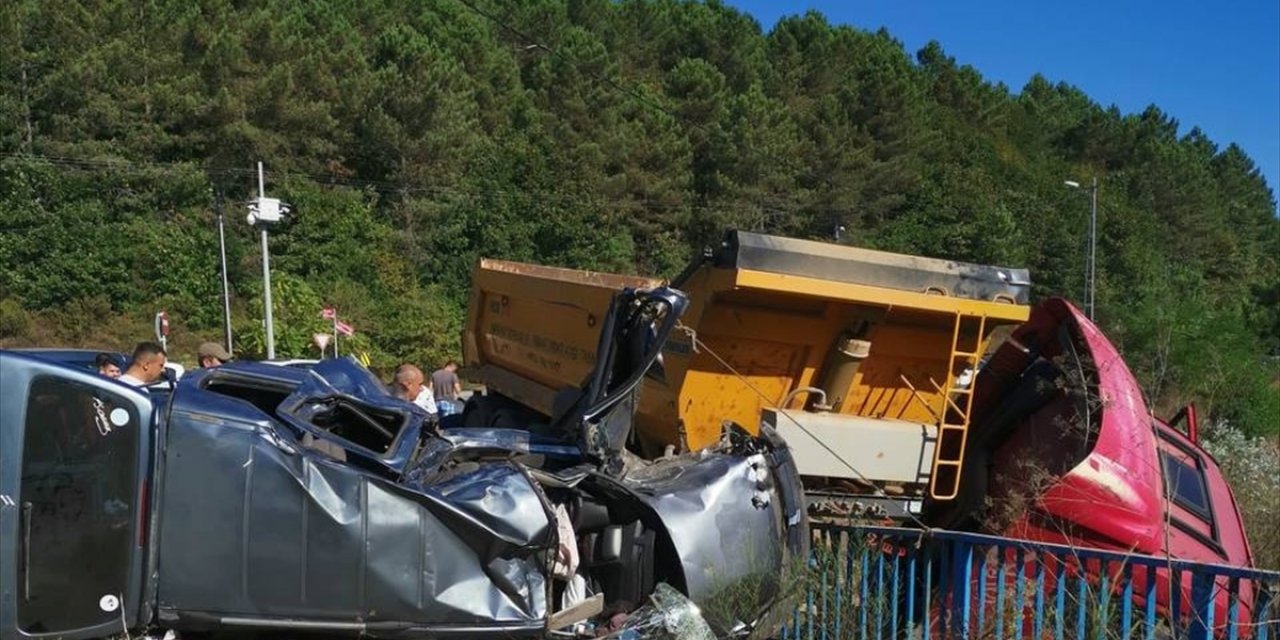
[{"x": 957, "y": 401}]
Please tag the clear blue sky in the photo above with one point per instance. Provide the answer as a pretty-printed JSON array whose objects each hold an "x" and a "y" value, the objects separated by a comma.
[{"x": 1215, "y": 65}]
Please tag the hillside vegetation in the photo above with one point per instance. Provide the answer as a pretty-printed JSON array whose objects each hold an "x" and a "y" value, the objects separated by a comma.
[{"x": 414, "y": 137}]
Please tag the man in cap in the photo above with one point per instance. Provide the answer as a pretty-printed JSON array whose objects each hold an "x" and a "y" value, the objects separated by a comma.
[{"x": 212, "y": 355}]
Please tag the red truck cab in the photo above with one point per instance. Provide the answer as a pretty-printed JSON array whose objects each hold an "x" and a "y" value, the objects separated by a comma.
[{"x": 1075, "y": 456}]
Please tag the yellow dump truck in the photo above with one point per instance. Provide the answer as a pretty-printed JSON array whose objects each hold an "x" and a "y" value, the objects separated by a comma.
[{"x": 863, "y": 360}]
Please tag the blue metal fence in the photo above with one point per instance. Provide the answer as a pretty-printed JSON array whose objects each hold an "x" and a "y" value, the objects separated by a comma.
[{"x": 885, "y": 583}]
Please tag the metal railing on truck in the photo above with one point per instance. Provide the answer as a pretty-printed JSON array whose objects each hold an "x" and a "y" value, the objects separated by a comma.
[{"x": 881, "y": 583}]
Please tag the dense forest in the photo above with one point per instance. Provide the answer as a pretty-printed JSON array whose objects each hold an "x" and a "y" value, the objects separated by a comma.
[{"x": 413, "y": 137}]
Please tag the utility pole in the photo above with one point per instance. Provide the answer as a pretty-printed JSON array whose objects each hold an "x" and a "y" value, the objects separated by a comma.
[
  {"x": 266, "y": 276},
  {"x": 263, "y": 213},
  {"x": 1093, "y": 246},
  {"x": 226, "y": 290},
  {"x": 1091, "y": 259}
]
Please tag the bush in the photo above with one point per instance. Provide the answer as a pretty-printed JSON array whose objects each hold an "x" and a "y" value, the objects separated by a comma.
[
  {"x": 1251, "y": 465},
  {"x": 14, "y": 322}
]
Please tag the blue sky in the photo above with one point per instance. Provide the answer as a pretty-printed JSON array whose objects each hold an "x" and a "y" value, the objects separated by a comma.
[{"x": 1215, "y": 65}]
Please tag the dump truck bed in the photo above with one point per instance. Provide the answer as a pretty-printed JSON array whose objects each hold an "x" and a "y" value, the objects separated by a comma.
[{"x": 849, "y": 342}]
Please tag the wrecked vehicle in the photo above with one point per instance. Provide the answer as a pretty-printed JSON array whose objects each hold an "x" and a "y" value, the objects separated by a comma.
[{"x": 260, "y": 497}]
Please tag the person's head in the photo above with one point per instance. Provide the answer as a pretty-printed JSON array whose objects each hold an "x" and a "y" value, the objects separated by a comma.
[
  {"x": 107, "y": 365},
  {"x": 211, "y": 354},
  {"x": 451, "y": 365},
  {"x": 148, "y": 362},
  {"x": 410, "y": 378}
]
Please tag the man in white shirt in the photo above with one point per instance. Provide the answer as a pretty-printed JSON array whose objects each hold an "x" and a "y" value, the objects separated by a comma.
[
  {"x": 147, "y": 366},
  {"x": 409, "y": 378}
]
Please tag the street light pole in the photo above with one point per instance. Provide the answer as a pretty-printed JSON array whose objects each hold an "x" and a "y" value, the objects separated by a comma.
[
  {"x": 1093, "y": 245},
  {"x": 1090, "y": 267},
  {"x": 226, "y": 290},
  {"x": 264, "y": 212},
  {"x": 266, "y": 277}
]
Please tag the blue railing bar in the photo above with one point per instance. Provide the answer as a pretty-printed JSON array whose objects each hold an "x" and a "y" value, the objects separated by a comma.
[
  {"x": 1233, "y": 609},
  {"x": 1039, "y": 612},
  {"x": 1104, "y": 595},
  {"x": 946, "y": 622},
  {"x": 841, "y": 579},
  {"x": 1019, "y": 590},
  {"x": 962, "y": 592},
  {"x": 911, "y": 586},
  {"x": 1175, "y": 600},
  {"x": 808, "y": 609},
  {"x": 1262, "y": 616},
  {"x": 1000, "y": 579},
  {"x": 1126, "y": 606},
  {"x": 1202, "y": 606},
  {"x": 879, "y": 599},
  {"x": 927, "y": 612},
  {"x": 863, "y": 594},
  {"x": 982, "y": 595},
  {"x": 1060, "y": 598},
  {"x": 1049, "y": 547},
  {"x": 893, "y": 619},
  {"x": 1082, "y": 583},
  {"x": 823, "y": 607},
  {"x": 1150, "y": 605}
]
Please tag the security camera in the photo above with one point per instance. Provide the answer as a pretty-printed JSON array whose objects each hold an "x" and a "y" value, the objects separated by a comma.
[{"x": 267, "y": 211}]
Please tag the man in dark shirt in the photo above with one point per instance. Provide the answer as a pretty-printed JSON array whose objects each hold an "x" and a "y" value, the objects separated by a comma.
[{"x": 446, "y": 388}]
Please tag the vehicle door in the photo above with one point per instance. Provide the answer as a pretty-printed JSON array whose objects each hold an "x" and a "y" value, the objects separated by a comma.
[
  {"x": 73, "y": 447},
  {"x": 631, "y": 339}
]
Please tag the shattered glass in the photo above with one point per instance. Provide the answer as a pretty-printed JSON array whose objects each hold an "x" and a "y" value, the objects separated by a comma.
[{"x": 668, "y": 616}]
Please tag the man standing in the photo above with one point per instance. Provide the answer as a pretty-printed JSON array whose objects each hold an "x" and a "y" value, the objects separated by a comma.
[
  {"x": 447, "y": 388},
  {"x": 409, "y": 380},
  {"x": 107, "y": 366},
  {"x": 148, "y": 365},
  {"x": 212, "y": 355}
]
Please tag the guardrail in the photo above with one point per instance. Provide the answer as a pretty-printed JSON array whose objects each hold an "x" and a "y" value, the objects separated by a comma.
[{"x": 889, "y": 583}]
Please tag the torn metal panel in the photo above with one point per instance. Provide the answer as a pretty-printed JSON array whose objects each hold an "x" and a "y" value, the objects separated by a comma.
[{"x": 719, "y": 511}]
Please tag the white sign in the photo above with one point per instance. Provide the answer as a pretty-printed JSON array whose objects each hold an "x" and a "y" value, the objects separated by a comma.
[{"x": 321, "y": 340}]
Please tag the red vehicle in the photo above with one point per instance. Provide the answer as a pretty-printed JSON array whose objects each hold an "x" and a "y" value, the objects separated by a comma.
[{"x": 1067, "y": 426}]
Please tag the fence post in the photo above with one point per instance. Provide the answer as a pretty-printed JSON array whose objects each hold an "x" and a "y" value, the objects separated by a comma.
[
  {"x": 1202, "y": 606},
  {"x": 961, "y": 585}
]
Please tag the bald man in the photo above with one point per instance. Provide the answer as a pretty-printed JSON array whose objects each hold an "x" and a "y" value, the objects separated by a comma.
[{"x": 409, "y": 378}]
